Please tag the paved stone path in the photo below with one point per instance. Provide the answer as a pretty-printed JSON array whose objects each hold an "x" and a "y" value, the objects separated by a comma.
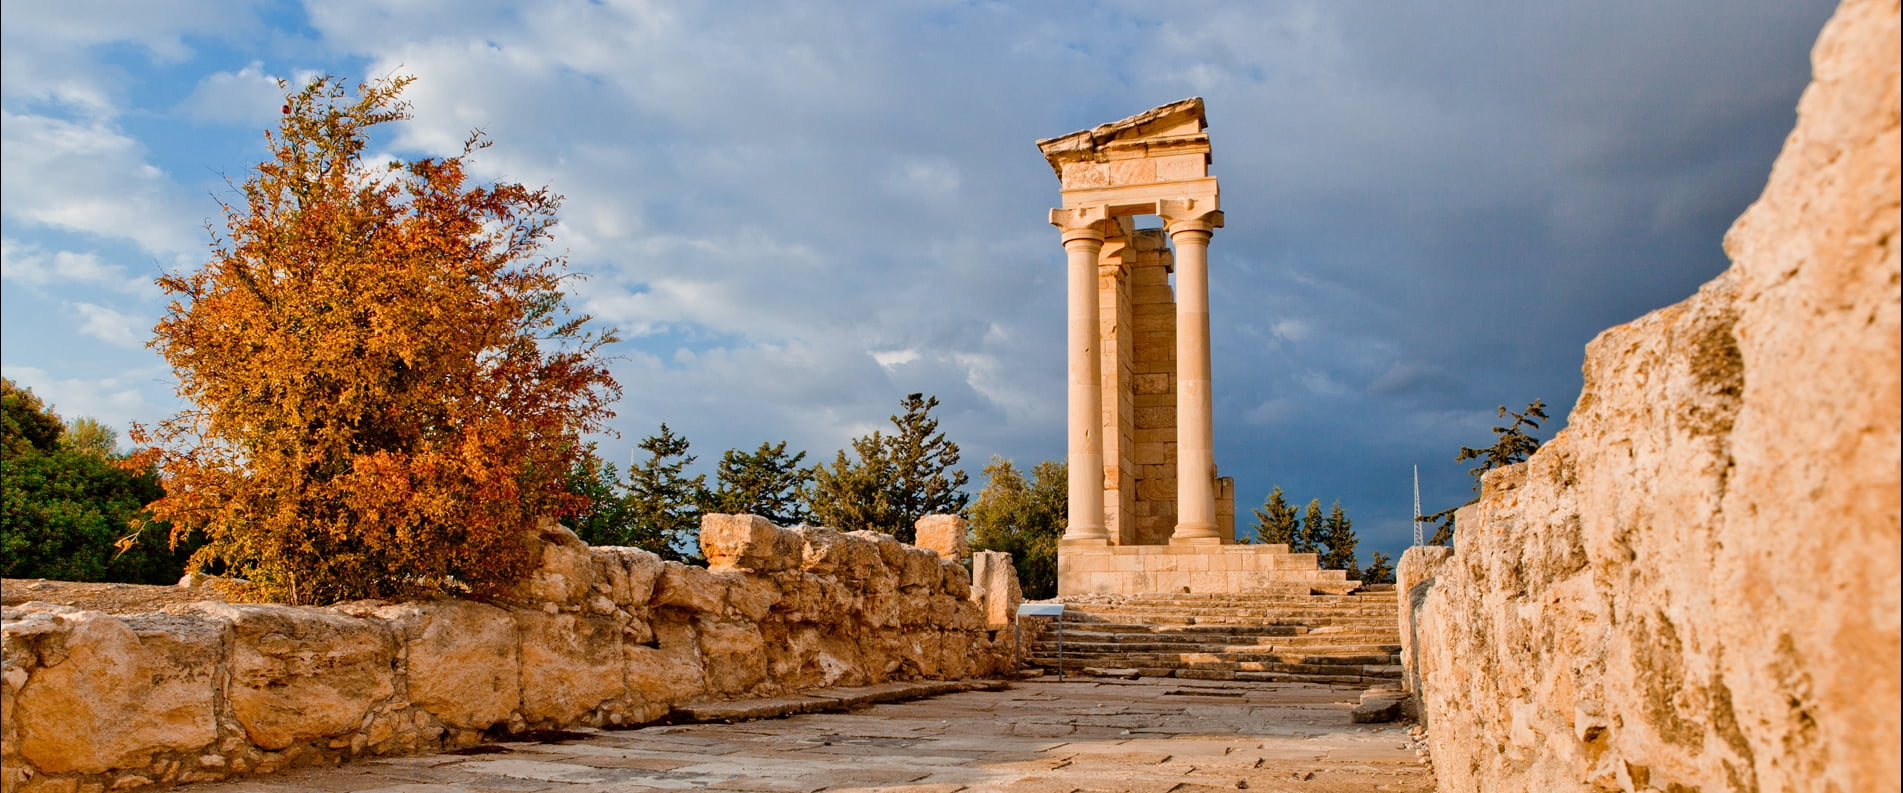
[{"x": 1038, "y": 736}]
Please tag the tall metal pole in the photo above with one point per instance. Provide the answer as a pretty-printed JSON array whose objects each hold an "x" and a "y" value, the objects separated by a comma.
[{"x": 1417, "y": 506}]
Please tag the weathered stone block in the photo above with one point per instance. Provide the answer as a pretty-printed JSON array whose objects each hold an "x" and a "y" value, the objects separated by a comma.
[
  {"x": 945, "y": 535},
  {"x": 1181, "y": 166},
  {"x": 570, "y": 664},
  {"x": 463, "y": 659},
  {"x": 689, "y": 587},
  {"x": 734, "y": 655},
  {"x": 661, "y": 677},
  {"x": 631, "y": 574},
  {"x": 750, "y": 597},
  {"x": 111, "y": 696},
  {"x": 1154, "y": 384},
  {"x": 301, "y": 673},
  {"x": 995, "y": 581},
  {"x": 747, "y": 542},
  {"x": 566, "y": 571},
  {"x": 1154, "y": 418}
]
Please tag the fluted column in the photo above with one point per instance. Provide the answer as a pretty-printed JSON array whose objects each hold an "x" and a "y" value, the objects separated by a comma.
[
  {"x": 1083, "y": 241},
  {"x": 1189, "y": 231}
]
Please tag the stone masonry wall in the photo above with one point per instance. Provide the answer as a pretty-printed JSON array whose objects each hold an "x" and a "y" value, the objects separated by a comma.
[
  {"x": 1695, "y": 586},
  {"x": 597, "y": 637}
]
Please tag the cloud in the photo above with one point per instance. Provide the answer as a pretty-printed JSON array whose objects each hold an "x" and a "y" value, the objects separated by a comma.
[
  {"x": 891, "y": 359},
  {"x": 1270, "y": 412},
  {"x": 26, "y": 263},
  {"x": 93, "y": 178},
  {"x": 110, "y": 326},
  {"x": 48, "y": 50},
  {"x": 1429, "y": 211},
  {"x": 113, "y": 401},
  {"x": 247, "y": 97}
]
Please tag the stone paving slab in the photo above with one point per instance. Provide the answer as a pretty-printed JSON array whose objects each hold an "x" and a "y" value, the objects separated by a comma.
[{"x": 1038, "y": 735}]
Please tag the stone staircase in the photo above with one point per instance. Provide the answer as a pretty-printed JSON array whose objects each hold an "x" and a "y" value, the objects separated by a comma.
[{"x": 1283, "y": 635}]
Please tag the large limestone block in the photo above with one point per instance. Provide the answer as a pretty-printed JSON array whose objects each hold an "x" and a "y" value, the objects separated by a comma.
[
  {"x": 571, "y": 663},
  {"x": 750, "y": 597},
  {"x": 302, "y": 673},
  {"x": 465, "y": 666},
  {"x": 919, "y": 568},
  {"x": 748, "y": 542},
  {"x": 689, "y": 587},
  {"x": 945, "y": 535},
  {"x": 734, "y": 654},
  {"x": 814, "y": 599},
  {"x": 110, "y": 693},
  {"x": 957, "y": 580},
  {"x": 996, "y": 580},
  {"x": 663, "y": 677},
  {"x": 630, "y": 574},
  {"x": 566, "y": 572},
  {"x": 1414, "y": 576},
  {"x": 851, "y": 556}
]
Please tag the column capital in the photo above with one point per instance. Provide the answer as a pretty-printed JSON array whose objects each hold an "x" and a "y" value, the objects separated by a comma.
[
  {"x": 1082, "y": 223},
  {"x": 1189, "y": 214}
]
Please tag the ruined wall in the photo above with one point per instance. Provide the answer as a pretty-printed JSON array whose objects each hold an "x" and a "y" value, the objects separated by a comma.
[
  {"x": 597, "y": 636},
  {"x": 1695, "y": 586}
]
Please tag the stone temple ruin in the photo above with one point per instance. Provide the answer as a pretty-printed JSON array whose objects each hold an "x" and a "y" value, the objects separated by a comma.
[{"x": 1148, "y": 511}]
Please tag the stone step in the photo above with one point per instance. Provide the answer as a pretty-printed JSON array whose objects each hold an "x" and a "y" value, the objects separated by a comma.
[
  {"x": 1290, "y": 594},
  {"x": 1150, "y": 629},
  {"x": 1286, "y": 602},
  {"x": 1205, "y": 620},
  {"x": 1310, "y": 648},
  {"x": 1378, "y": 607},
  {"x": 1341, "y": 675},
  {"x": 1345, "y": 657},
  {"x": 1355, "y": 654},
  {"x": 1210, "y": 630}
]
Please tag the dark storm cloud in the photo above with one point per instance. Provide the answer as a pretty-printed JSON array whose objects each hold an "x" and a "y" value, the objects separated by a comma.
[{"x": 800, "y": 213}]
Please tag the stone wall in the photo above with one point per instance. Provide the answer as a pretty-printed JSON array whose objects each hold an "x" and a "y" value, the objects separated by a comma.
[
  {"x": 1695, "y": 586},
  {"x": 597, "y": 637}
]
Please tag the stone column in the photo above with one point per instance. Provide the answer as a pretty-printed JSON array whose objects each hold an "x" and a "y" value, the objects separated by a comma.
[
  {"x": 1190, "y": 231},
  {"x": 1083, "y": 241}
]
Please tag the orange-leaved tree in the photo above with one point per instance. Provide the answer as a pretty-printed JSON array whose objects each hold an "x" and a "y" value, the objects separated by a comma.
[{"x": 387, "y": 387}]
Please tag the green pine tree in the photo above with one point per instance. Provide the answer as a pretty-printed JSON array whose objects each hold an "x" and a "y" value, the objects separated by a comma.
[
  {"x": 663, "y": 513},
  {"x": 1511, "y": 445},
  {"x": 1276, "y": 522},
  {"x": 767, "y": 482},
  {"x": 607, "y": 518},
  {"x": 892, "y": 480},
  {"x": 1308, "y": 536},
  {"x": 1338, "y": 542},
  {"x": 1380, "y": 570},
  {"x": 1024, "y": 519}
]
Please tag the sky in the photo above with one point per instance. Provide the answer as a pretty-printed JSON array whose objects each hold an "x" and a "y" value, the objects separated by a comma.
[{"x": 798, "y": 213}]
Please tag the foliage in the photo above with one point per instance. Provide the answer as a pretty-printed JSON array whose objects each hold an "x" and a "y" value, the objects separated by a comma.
[
  {"x": 663, "y": 502},
  {"x": 1275, "y": 521},
  {"x": 1308, "y": 537},
  {"x": 1024, "y": 519},
  {"x": 26, "y": 423},
  {"x": 598, "y": 484},
  {"x": 1511, "y": 445},
  {"x": 892, "y": 481},
  {"x": 86, "y": 434},
  {"x": 1380, "y": 570},
  {"x": 1337, "y": 539},
  {"x": 387, "y": 387},
  {"x": 64, "y": 504},
  {"x": 766, "y": 482}
]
